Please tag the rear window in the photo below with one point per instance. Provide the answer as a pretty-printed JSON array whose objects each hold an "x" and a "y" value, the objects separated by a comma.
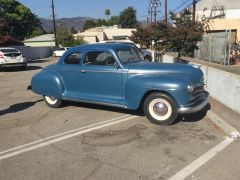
[{"x": 9, "y": 50}]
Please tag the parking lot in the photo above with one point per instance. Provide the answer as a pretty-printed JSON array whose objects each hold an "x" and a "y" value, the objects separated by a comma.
[{"x": 82, "y": 141}]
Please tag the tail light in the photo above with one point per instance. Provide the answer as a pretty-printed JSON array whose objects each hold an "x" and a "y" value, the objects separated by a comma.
[{"x": 1, "y": 56}]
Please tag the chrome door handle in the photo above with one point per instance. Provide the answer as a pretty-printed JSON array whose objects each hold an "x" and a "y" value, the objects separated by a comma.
[{"x": 83, "y": 71}]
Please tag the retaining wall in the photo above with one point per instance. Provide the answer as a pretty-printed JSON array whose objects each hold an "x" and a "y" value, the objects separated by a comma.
[{"x": 222, "y": 85}]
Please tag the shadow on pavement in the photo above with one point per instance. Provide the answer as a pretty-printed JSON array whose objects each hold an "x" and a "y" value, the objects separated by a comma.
[
  {"x": 18, "y": 107},
  {"x": 104, "y": 108},
  {"x": 196, "y": 116},
  {"x": 14, "y": 69}
]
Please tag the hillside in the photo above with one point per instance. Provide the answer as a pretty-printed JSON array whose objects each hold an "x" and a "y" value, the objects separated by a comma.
[{"x": 76, "y": 22}]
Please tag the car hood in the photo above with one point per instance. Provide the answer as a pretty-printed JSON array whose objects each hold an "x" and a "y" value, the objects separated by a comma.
[{"x": 187, "y": 70}]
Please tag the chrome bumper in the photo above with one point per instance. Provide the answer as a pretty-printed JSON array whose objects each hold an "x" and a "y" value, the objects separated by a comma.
[{"x": 196, "y": 106}]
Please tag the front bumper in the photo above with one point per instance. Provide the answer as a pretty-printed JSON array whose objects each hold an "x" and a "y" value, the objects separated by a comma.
[{"x": 196, "y": 106}]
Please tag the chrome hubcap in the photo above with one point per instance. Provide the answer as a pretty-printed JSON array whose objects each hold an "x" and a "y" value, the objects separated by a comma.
[{"x": 160, "y": 109}]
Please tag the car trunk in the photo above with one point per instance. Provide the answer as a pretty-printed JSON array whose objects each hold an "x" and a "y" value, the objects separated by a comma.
[{"x": 13, "y": 57}]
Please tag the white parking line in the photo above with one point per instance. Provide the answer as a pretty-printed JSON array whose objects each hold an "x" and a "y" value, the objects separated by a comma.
[
  {"x": 189, "y": 169},
  {"x": 60, "y": 137}
]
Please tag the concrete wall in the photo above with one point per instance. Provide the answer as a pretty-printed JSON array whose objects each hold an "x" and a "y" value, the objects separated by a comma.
[
  {"x": 35, "y": 52},
  {"x": 223, "y": 86}
]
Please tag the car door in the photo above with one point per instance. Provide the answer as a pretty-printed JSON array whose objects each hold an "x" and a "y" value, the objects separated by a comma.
[
  {"x": 101, "y": 77},
  {"x": 70, "y": 72}
]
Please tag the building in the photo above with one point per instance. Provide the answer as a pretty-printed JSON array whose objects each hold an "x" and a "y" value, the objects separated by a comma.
[
  {"x": 220, "y": 16},
  {"x": 105, "y": 33},
  {"x": 46, "y": 40}
]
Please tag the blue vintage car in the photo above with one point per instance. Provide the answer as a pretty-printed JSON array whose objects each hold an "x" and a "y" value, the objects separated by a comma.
[{"x": 116, "y": 75}]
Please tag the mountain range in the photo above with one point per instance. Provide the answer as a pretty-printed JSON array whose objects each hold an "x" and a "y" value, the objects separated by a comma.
[{"x": 76, "y": 22}]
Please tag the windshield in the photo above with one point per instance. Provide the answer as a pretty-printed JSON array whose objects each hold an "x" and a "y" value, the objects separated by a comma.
[{"x": 129, "y": 55}]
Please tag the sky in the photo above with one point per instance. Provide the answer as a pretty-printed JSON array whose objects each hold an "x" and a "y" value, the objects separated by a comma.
[{"x": 95, "y": 8}]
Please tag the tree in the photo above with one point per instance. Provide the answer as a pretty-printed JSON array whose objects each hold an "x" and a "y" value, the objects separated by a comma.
[
  {"x": 89, "y": 24},
  {"x": 107, "y": 13},
  {"x": 142, "y": 36},
  {"x": 21, "y": 22},
  {"x": 128, "y": 18},
  {"x": 101, "y": 22},
  {"x": 161, "y": 35},
  {"x": 114, "y": 20},
  {"x": 66, "y": 39},
  {"x": 185, "y": 34}
]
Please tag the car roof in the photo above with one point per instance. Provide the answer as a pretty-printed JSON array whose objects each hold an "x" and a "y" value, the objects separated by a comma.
[{"x": 109, "y": 46}]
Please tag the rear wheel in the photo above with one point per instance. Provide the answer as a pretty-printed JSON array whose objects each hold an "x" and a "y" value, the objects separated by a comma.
[
  {"x": 52, "y": 101},
  {"x": 160, "y": 109}
]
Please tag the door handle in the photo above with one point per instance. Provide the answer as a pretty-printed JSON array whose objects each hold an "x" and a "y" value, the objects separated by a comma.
[{"x": 83, "y": 71}]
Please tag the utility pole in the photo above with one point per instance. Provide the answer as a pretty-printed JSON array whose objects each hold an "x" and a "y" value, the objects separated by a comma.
[
  {"x": 54, "y": 24},
  {"x": 153, "y": 10},
  {"x": 166, "y": 11},
  {"x": 194, "y": 11}
]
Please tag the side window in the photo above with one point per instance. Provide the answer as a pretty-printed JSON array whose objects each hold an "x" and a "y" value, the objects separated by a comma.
[
  {"x": 99, "y": 58},
  {"x": 73, "y": 58}
]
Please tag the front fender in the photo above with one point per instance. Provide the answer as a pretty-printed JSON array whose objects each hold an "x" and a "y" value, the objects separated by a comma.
[
  {"x": 138, "y": 85},
  {"x": 48, "y": 83}
]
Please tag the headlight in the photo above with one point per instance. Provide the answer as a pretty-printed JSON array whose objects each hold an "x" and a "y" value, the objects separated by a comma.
[{"x": 190, "y": 89}]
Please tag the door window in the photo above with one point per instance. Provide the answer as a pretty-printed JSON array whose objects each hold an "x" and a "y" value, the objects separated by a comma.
[
  {"x": 73, "y": 58},
  {"x": 99, "y": 58}
]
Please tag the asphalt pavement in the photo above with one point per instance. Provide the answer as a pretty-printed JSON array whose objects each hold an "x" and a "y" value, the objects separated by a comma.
[{"x": 84, "y": 141}]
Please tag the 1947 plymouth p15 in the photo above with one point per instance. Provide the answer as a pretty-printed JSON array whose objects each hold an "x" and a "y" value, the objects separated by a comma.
[{"x": 115, "y": 75}]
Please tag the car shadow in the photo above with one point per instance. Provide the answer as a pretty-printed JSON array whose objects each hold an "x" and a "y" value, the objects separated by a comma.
[
  {"x": 104, "y": 108},
  {"x": 194, "y": 117},
  {"x": 14, "y": 69},
  {"x": 40, "y": 61},
  {"x": 18, "y": 107}
]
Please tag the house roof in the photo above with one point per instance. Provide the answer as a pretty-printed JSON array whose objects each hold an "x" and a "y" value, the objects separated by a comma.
[{"x": 42, "y": 38}]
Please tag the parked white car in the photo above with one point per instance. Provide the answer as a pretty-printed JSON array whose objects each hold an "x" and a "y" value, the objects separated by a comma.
[
  {"x": 11, "y": 57},
  {"x": 144, "y": 52},
  {"x": 59, "y": 52}
]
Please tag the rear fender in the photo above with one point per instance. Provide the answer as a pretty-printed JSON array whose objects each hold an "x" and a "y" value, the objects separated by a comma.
[{"x": 48, "y": 83}]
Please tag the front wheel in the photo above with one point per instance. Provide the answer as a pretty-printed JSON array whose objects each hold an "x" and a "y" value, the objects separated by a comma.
[
  {"x": 160, "y": 109},
  {"x": 52, "y": 101}
]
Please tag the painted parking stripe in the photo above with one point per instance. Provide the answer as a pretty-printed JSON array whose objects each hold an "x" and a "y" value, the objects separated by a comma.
[
  {"x": 60, "y": 137},
  {"x": 189, "y": 169}
]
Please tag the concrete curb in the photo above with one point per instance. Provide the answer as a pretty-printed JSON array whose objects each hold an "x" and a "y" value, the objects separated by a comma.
[{"x": 226, "y": 127}]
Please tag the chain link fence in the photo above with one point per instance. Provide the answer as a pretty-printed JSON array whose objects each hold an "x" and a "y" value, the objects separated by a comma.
[{"x": 215, "y": 47}]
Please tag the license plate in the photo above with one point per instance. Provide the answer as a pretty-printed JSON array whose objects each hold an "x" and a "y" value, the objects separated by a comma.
[{"x": 14, "y": 58}]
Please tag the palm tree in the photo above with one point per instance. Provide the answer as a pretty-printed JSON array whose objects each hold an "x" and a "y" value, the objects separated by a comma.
[{"x": 107, "y": 12}]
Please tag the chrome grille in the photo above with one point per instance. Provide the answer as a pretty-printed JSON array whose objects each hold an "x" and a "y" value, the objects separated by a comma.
[{"x": 198, "y": 92}]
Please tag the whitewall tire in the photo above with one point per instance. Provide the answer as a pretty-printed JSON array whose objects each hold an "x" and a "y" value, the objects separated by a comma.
[
  {"x": 52, "y": 101},
  {"x": 160, "y": 109}
]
